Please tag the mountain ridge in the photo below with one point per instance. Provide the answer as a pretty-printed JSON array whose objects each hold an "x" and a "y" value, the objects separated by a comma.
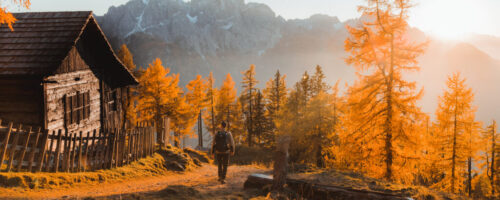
[{"x": 226, "y": 36}]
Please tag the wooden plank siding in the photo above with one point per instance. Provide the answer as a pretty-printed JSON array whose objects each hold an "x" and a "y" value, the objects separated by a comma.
[{"x": 70, "y": 83}]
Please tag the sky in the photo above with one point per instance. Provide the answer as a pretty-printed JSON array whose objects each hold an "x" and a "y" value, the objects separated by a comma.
[{"x": 447, "y": 19}]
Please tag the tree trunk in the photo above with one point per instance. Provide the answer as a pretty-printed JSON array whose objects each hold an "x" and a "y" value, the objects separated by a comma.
[
  {"x": 250, "y": 124},
  {"x": 200, "y": 131},
  {"x": 176, "y": 140},
  {"x": 388, "y": 122},
  {"x": 280, "y": 163},
  {"x": 159, "y": 136},
  {"x": 213, "y": 111},
  {"x": 454, "y": 154},
  {"x": 469, "y": 181}
]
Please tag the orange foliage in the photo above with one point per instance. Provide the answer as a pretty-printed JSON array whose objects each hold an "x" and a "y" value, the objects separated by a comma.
[
  {"x": 383, "y": 117},
  {"x": 6, "y": 17}
]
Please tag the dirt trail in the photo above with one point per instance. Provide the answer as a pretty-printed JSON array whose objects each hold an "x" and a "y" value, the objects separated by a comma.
[{"x": 200, "y": 183}]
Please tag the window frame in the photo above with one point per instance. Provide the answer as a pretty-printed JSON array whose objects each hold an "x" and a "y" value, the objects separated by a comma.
[{"x": 76, "y": 108}]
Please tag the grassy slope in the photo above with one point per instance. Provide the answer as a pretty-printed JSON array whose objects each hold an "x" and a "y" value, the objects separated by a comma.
[
  {"x": 359, "y": 182},
  {"x": 255, "y": 155},
  {"x": 146, "y": 167}
]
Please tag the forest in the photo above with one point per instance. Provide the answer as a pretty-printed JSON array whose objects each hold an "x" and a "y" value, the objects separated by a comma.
[{"x": 375, "y": 127}]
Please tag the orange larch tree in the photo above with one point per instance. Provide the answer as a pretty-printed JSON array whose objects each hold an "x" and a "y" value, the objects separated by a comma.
[
  {"x": 248, "y": 99},
  {"x": 383, "y": 104},
  {"x": 196, "y": 97},
  {"x": 127, "y": 59},
  {"x": 158, "y": 94},
  {"x": 455, "y": 122},
  {"x": 211, "y": 95}
]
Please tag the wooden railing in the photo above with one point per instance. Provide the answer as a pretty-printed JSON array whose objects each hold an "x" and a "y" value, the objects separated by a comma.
[{"x": 33, "y": 150}]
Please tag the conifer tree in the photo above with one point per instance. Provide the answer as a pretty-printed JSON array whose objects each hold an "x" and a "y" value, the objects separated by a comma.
[
  {"x": 248, "y": 96},
  {"x": 127, "y": 59},
  {"x": 382, "y": 104},
  {"x": 490, "y": 141},
  {"x": 211, "y": 95},
  {"x": 319, "y": 123},
  {"x": 227, "y": 108},
  {"x": 288, "y": 123},
  {"x": 304, "y": 90},
  {"x": 196, "y": 97},
  {"x": 318, "y": 84},
  {"x": 320, "y": 114},
  {"x": 455, "y": 114},
  {"x": 158, "y": 93},
  {"x": 336, "y": 105},
  {"x": 261, "y": 128},
  {"x": 275, "y": 95},
  {"x": 472, "y": 131},
  {"x": 183, "y": 119}
]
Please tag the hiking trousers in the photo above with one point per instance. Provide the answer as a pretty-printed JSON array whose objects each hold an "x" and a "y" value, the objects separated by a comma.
[{"x": 223, "y": 162}]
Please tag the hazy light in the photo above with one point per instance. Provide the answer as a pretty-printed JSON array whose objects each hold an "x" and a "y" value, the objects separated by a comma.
[{"x": 453, "y": 19}]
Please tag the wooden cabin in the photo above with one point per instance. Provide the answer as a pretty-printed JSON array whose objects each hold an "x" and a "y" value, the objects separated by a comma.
[{"x": 58, "y": 71}]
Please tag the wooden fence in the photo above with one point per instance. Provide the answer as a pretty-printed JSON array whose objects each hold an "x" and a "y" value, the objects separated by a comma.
[{"x": 34, "y": 150}]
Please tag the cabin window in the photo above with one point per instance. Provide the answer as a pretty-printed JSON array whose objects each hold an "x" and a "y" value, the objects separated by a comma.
[
  {"x": 77, "y": 107},
  {"x": 112, "y": 101}
]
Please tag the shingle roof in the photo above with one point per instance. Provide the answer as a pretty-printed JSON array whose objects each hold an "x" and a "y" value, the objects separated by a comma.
[{"x": 40, "y": 41}]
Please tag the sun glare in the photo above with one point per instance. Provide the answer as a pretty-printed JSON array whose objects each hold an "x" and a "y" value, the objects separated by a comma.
[{"x": 450, "y": 19}]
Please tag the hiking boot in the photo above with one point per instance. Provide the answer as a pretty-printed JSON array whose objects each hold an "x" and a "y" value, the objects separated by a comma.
[{"x": 222, "y": 181}]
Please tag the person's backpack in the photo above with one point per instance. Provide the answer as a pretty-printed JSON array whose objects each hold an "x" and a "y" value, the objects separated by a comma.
[{"x": 221, "y": 142}]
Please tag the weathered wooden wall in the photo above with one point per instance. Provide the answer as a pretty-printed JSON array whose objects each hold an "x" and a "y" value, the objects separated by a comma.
[
  {"x": 113, "y": 119},
  {"x": 21, "y": 100},
  {"x": 74, "y": 76}
]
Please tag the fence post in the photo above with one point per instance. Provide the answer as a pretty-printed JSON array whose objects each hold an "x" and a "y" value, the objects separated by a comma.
[
  {"x": 79, "y": 164},
  {"x": 33, "y": 150},
  {"x": 104, "y": 149},
  {"x": 58, "y": 150},
  {"x": 73, "y": 153},
  {"x": 142, "y": 142},
  {"x": 113, "y": 149},
  {"x": 151, "y": 138},
  {"x": 101, "y": 147},
  {"x": 109, "y": 147},
  {"x": 51, "y": 152},
  {"x": 43, "y": 150},
  {"x": 87, "y": 159},
  {"x": 5, "y": 142},
  {"x": 67, "y": 151},
  {"x": 13, "y": 147},
  {"x": 136, "y": 143},
  {"x": 122, "y": 147},
  {"x": 93, "y": 155},
  {"x": 23, "y": 153}
]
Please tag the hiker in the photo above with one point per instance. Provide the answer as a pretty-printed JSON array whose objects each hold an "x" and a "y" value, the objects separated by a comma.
[{"x": 222, "y": 147}]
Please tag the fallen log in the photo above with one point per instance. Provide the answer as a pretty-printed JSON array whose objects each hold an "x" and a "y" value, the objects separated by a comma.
[{"x": 316, "y": 191}]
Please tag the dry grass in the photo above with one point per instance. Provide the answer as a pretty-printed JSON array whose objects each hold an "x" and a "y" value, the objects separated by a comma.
[
  {"x": 357, "y": 181},
  {"x": 146, "y": 167},
  {"x": 245, "y": 155}
]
